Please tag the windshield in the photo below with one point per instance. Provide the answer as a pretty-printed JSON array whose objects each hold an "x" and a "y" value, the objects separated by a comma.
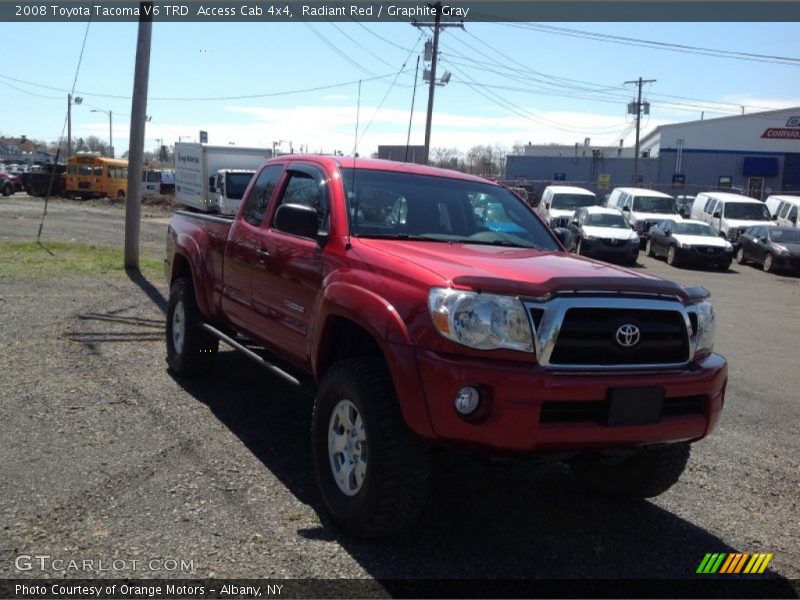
[
  {"x": 567, "y": 201},
  {"x": 693, "y": 229},
  {"x": 383, "y": 204},
  {"x": 747, "y": 211},
  {"x": 606, "y": 220},
  {"x": 785, "y": 236},
  {"x": 655, "y": 204},
  {"x": 237, "y": 184}
]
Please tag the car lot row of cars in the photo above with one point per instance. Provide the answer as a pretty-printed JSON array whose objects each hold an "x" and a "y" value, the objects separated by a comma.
[{"x": 709, "y": 229}]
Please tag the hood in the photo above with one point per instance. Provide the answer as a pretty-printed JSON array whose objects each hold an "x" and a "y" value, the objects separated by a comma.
[
  {"x": 610, "y": 233},
  {"x": 700, "y": 240},
  {"x": 518, "y": 271},
  {"x": 556, "y": 213},
  {"x": 792, "y": 247}
]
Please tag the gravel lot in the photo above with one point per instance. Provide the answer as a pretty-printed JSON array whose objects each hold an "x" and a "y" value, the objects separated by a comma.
[{"x": 106, "y": 456}]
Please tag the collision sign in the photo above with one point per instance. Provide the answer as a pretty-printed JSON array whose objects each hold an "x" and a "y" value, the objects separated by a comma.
[{"x": 790, "y": 132}]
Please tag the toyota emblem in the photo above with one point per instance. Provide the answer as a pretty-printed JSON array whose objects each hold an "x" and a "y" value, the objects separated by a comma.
[{"x": 628, "y": 335}]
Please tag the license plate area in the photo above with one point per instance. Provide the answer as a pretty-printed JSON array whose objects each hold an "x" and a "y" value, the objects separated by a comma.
[{"x": 635, "y": 406}]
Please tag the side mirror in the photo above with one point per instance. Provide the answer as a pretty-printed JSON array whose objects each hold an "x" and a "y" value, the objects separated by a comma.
[
  {"x": 547, "y": 205},
  {"x": 717, "y": 215},
  {"x": 575, "y": 222},
  {"x": 626, "y": 209},
  {"x": 668, "y": 232},
  {"x": 297, "y": 219},
  {"x": 763, "y": 239},
  {"x": 793, "y": 219},
  {"x": 774, "y": 217}
]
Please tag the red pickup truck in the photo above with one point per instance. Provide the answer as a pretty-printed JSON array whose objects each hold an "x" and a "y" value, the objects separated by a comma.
[{"x": 435, "y": 308}]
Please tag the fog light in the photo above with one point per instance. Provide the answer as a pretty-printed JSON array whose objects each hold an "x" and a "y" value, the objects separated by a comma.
[{"x": 467, "y": 400}]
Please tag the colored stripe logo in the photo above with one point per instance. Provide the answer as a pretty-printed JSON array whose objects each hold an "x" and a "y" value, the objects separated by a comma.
[{"x": 734, "y": 563}]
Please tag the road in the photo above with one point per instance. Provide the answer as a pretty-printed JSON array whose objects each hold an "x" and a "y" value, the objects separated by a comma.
[{"x": 105, "y": 455}]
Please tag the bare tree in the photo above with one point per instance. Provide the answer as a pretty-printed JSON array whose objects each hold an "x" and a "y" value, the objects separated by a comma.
[{"x": 445, "y": 157}]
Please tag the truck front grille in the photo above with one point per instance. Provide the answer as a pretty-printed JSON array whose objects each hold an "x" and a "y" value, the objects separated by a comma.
[
  {"x": 588, "y": 336},
  {"x": 613, "y": 331}
]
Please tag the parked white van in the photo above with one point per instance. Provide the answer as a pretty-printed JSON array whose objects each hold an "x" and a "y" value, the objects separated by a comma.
[
  {"x": 783, "y": 209},
  {"x": 730, "y": 214},
  {"x": 559, "y": 203},
  {"x": 644, "y": 208}
]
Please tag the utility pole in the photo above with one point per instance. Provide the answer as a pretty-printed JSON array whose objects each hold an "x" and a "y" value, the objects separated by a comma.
[
  {"x": 437, "y": 25},
  {"x": 70, "y": 100},
  {"x": 637, "y": 109},
  {"x": 133, "y": 203}
]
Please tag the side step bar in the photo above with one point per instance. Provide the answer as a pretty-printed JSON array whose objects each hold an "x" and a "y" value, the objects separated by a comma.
[{"x": 250, "y": 354}]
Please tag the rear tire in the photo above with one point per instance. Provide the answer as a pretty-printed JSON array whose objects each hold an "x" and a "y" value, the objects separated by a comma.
[
  {"x": 190, "y": 349},
  {"x": 645, "y": 474},
  {"x": 372, "y": 471}
]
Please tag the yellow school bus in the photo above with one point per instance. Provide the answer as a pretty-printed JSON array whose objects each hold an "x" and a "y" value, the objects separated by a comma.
[{"x": 91, "y": 176}]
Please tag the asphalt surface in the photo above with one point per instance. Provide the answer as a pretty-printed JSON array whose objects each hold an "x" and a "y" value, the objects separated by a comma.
[{"x": 106, "y": 456}]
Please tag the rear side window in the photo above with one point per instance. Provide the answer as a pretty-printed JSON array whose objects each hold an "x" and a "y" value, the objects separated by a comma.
[
  {"x": 256, "y": 203},
  {"x": 784, "y": 209}
]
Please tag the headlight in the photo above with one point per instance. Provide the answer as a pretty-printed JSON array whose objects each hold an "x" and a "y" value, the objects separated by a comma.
[
  {"x": 590, "y": 238},
  {"x": 728, "y": 246},
  {"x": 706, "y": 319},
  {"x": 634, "y": 240},
  {"x": 482, "y": 321},
  {"x": 781, "y": 249}
]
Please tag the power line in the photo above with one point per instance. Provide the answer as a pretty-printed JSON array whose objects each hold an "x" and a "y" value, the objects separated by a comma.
[{"x": 210, "y": 98}]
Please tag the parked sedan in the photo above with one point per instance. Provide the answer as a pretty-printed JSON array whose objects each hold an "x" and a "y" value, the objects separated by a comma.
[
  {"x": 774, "y": 248},
  {"x": 9, "y": 184},
  {"x": 689, "y": 242},
  {"x": 604, "y": 233}
]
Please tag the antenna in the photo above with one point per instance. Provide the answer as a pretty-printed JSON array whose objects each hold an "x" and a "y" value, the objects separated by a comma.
[
  {"x": 411, "y": 115},
  {"x": 358, "y": 112}
]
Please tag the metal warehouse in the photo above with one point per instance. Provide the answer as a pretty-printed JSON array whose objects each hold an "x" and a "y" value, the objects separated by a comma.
[{"x": 757, "y": 154}]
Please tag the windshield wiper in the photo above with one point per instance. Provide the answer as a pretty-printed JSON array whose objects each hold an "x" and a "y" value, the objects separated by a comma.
[{"x": 399, "y": 236}]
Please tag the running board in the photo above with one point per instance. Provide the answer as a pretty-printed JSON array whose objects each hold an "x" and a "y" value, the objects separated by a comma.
[{"x": 250, "y": 354}]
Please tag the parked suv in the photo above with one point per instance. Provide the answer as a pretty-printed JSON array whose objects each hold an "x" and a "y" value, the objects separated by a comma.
[
  {"x": 644, "y": 208},
  {"x": 559, "y": 203},
  {"x": 730, "y": 214}
]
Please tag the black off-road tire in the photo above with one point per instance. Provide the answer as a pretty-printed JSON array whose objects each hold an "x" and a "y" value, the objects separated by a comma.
[
  {"x": 645, "y": 474},
  {"x": 394, "y": 488},
  {"x": 198, "y": 349}
]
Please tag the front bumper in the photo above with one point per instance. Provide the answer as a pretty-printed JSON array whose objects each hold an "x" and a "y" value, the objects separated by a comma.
[
  {"x": 698, "y": 256},
  {"x": 603, "y": 249},
  {"x": 536, "y": 410}
]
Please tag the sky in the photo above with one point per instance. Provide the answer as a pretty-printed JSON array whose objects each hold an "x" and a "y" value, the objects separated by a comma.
[{"x": 259, "y": 84}]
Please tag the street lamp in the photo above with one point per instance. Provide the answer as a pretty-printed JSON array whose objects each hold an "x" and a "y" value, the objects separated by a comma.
[
  {"x": 110, "y": 142},
  {"x": 70, "y": 100}
]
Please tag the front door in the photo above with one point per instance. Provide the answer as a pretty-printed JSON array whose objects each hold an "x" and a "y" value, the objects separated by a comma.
[
  {"x": 289, "y": 275},
  {"x": 755, "y": 187}
]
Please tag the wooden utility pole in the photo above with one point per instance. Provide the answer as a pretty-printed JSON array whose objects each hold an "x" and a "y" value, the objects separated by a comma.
[
  {"x": 638, "y": 113},
  {"x": 437, "y": 25},
  {"x": 133, "y": 202}
]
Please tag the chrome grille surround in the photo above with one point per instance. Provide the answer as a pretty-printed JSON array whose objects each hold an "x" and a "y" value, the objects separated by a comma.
[{"x": 551, "y": 312}]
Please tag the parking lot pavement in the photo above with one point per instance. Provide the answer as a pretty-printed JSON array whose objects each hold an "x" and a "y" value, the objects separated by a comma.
[{"x": 105, "y": 455}]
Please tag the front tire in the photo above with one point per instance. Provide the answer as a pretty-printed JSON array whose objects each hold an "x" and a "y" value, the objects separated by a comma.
[
  {"x": 649, "y": 249},
  {"x": 7, "y": 190},
  {"x": 740, "y": 256},
  {"x": 645, "y": 474},
  {"x": 190, "y": 349},
  {"x": 579, "y": 247},
  {"x": 769, "y": 263},
  {"x": 372, "y": 471},
  {"x": 672, "y": 256}
]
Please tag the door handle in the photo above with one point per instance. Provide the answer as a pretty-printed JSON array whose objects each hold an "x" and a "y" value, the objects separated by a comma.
[{"x": 262, "y": 253}]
